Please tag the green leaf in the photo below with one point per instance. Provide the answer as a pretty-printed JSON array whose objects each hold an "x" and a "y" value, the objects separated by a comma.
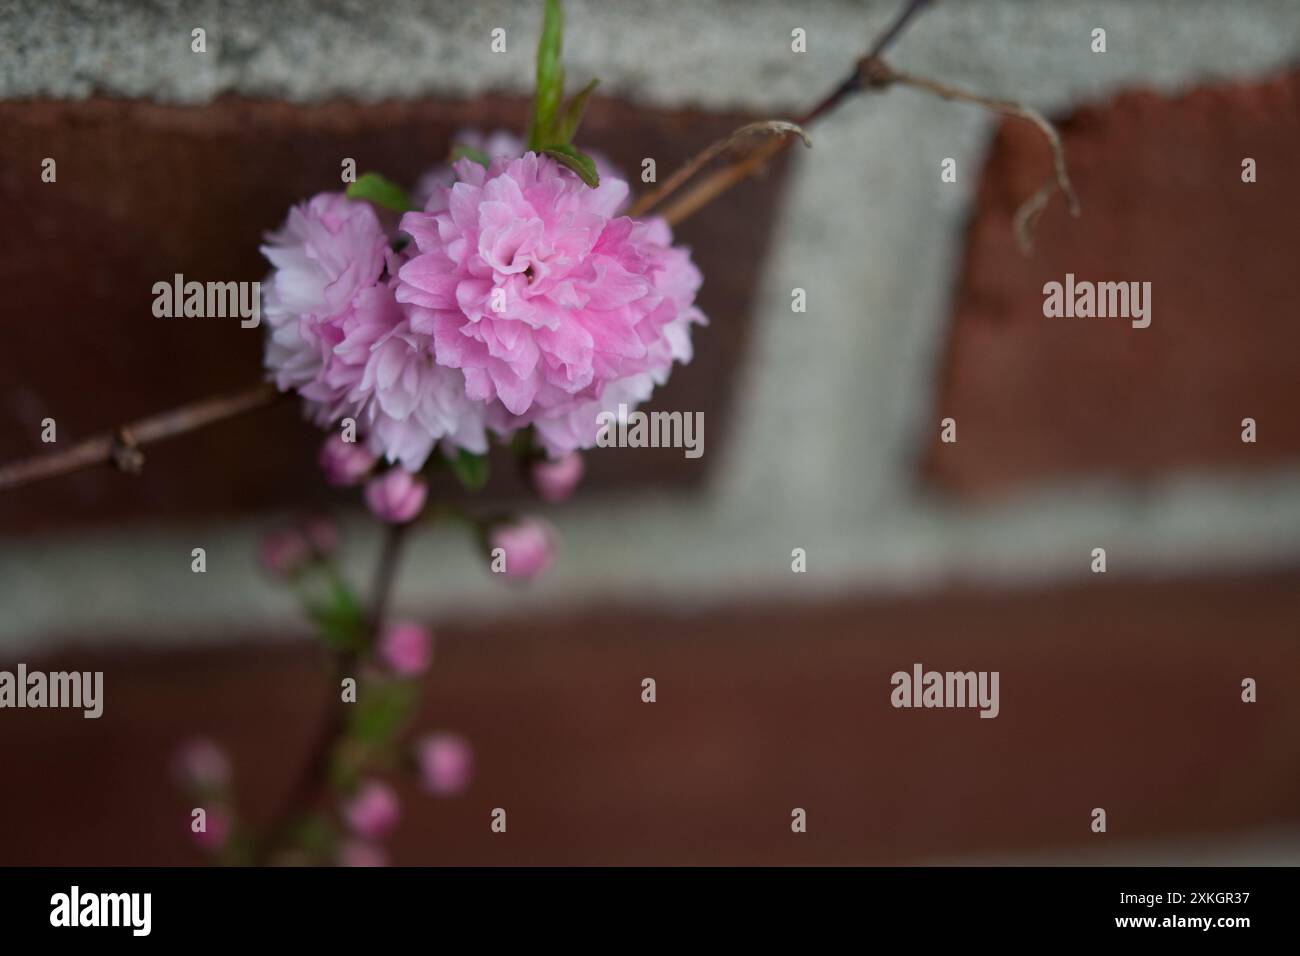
[
  {"x": 314, "y": 833},
  {"x": 550, "y": 77},
  {"x": 580, "y": 163},
  {"x": 522, "y": 443},
  {"x": 349, "y": 759},
  {"x": 340, "y": 618},
  {"x": 471, "y": 469},
  {"x": 462, "y": 151},
  {"x": 381, "y": 709},
  {"x": 571, "y": 115},
  {"x": 374, "y": 188}
]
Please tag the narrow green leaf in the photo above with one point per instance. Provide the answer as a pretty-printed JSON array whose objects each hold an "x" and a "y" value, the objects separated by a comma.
[
  {"x": 571, "y": 115},
  {"x": 580, "y": 163},
  {"x": 550, "y": 77},
  {"x": 471, "y": 469},
  {"x": 374, "y": 188},
  {"x": 462, "y": 151}
]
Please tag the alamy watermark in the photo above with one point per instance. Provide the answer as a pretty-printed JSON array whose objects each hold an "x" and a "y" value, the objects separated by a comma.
[
  {"x": 1103, "y": 300},
  {"x": 82, "y": 690},
  {"x": 922, "y": 688},
  {"x": 624, "y": 429},
  {"x": 75, "y": 908},
  {"x": 216, "y": 300}
]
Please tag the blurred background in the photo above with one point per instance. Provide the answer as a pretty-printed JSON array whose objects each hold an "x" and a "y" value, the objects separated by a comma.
[{"x": 822, "y": 432}]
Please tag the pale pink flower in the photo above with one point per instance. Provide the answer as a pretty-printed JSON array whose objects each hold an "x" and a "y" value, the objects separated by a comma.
[
  {"x": 446, "y": 763},
  {"x": 528, "y": 547},
  {"x": 338, "y": 337},
  {"x": 328, "y": 253},
  {"x": 525, "y": 299},
  {"x": 565, "y": 429},
  {"x": 556, "y": 478},
  {"x": 413, "y": 404},
  {"x": 530, "y": 283},
  {"x": 372, "y": 811},
  {"x": 406, "y": 649},
  {"x": 396, "y": 496}
]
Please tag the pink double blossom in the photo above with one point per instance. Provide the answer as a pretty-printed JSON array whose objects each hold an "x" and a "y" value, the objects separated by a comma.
[{"x": 523, "y": 297}]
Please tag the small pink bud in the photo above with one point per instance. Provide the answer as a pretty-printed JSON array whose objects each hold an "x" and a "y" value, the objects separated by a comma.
[
  {"x": 284, "y": 552},
  {"x": 345, "y": 463},
  {"x": 446, "y": 763},
  {"x": 201, "y": 765},
  {"x": 322, "y": 534},
  {"x": 406, "y": 649},
  {"x": 527, "y": 547},
  {"x": 372, "y": 811},
  {"x": 555, "y": 479},
  {"x": 396, "y": 496},
  {"x": 216, "y": 830},
  {"x": 359, "y": 853}
]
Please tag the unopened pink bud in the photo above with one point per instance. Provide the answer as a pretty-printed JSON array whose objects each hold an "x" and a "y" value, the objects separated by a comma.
[
  {"x": 555, "y": 479},
  {"x": 396, "y": 496},
  {"x": 406, "y": 649},
  {"x": 201, "y": 765},
  {"x": 345, "y": 463},
  {"x": 322, "y": 534},
  {"x": 216, "y": 830},
  {"x": 372, "y": 811},
  {"x": 284, "y": 552},
  {"x": 521, "y": 549},
  {"x": 446, "y": 763}
]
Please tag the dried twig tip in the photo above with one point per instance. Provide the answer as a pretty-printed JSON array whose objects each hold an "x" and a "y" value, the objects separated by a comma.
[
  {"x": 654, "y": 197},
  {"x": 125, "y": 453}
]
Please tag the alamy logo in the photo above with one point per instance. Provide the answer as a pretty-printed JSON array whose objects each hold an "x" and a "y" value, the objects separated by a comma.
[
  {"x": 1124, "y": 300},
  {"x": 626, "y": 429},
  {"x": 215, "y": 300},
  {"x": 103, "y": 909},
  {"x": 78, "y": 689},
  {"x": 922, "y": 688}
]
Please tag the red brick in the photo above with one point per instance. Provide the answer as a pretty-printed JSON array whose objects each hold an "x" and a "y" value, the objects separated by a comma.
[
  {"x": 1163, "y": 201},
  {"x": 1126, "y": 697}
]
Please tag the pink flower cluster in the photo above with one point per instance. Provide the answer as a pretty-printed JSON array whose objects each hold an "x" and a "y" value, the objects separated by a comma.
[{"x": 523, "y": 298}]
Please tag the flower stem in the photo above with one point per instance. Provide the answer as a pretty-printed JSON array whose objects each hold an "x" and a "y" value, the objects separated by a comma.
[{"x": 312, "y": 781}]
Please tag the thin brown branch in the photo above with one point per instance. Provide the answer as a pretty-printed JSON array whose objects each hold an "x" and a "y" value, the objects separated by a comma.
[
  {"x": 712, "y": 186},
  {"x": 314, "y": 775},
  {"x": 648, "y": 200},
  {"x": 312, "y": 780},
  {"x": 121, "y": 446},
  {"x": 717, "y": 183},
  {"x": 872, "y": 72},
  {"x": 1059, "y": 178},
  {"x": 381, "y": 593},
  {"x": 895, "y": 29}
]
